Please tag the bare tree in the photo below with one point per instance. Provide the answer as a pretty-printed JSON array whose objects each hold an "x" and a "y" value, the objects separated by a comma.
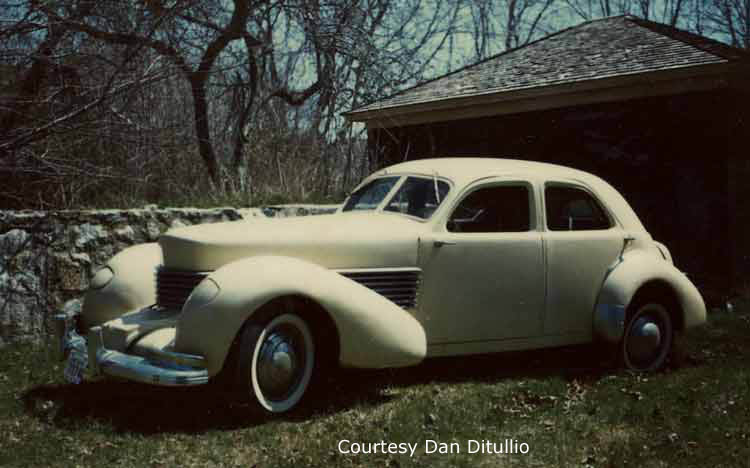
[
  {"x": 347, "y": 52},
  {"x": 732, "y": 19},
  {"x": 29, "y": 23},
  {"x": 58, "y": 98},
  {"x": 498, "y": 25},
  {"x": 191, "y": 35},
  {"x": 666, "y": 11}
]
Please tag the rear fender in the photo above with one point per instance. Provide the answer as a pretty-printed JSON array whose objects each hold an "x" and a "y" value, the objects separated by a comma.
[
  {"x": 636, "y": 269},
  {"x": 373, "y": 331}
]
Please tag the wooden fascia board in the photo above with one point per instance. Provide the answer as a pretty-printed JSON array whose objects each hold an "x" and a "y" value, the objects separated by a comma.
[{"x": 676, "y": 81}]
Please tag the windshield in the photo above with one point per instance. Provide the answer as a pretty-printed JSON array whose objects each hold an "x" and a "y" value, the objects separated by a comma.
[
  {"x": 419, "y": 197},
  {"x": 370, "y": 195}
]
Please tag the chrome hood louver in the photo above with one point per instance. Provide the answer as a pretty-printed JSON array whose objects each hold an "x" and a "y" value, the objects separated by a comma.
[{"x": 400, "y": 285}]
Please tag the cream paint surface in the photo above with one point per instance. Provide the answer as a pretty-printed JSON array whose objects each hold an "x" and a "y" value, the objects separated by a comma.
[
  {"x": 345, "y": 240},
  {"x": 373, "y": 331},
  {"x": 577, "y": 263},
  {"x": 132, "y": 286},
  {"x": 485, "y": 292},
  {"x": 483, "y": 287}
]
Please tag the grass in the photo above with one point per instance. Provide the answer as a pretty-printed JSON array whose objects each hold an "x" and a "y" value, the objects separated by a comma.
[{"x": 568, "y": 406}]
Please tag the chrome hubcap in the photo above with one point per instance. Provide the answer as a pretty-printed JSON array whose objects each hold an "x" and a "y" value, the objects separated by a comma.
[
  {"x": 644, "y": 340},
  {"x": 280, "y": 363}
]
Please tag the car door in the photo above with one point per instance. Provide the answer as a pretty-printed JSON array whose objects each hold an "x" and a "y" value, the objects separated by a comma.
[
  {"x": 582, "y": 241},
  {"x": 483, "y": 273}
]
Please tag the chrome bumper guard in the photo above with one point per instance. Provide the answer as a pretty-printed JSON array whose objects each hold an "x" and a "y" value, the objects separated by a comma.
[
  {"x": 66, "y": 337},
  {"x": 141, "y": 369},
  {"x": 165, "y": 368}
]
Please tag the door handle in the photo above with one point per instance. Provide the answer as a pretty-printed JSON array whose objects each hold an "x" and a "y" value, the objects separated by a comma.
[
  {"x": 627, "y": 239},
  {"x": 440, "y": 243}
]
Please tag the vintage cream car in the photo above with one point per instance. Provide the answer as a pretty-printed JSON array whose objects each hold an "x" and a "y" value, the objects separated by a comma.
[{"x": 433, "y": 257}]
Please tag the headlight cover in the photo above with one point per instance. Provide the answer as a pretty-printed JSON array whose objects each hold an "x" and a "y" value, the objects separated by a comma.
[
  {"x": 102, "y": 278},
  {"x": 204, "y": 293}
]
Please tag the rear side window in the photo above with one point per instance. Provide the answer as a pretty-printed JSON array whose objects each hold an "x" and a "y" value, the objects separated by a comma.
[
  {"x": 503, "y": 208},
  {"x": 573, "y": 209}
]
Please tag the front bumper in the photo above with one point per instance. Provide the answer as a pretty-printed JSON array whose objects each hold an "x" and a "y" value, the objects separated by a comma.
[
  {"x": 141, "y": 369},
  {"x": 161, "y": 367}
]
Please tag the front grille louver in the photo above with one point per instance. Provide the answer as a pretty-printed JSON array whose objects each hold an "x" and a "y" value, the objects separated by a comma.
[
  {"x": 174, "y": 286},
  {"x": 399, "y": 285}
]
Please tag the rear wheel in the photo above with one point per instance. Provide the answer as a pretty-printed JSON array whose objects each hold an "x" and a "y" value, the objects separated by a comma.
[
  {"x": 276, "y": 361},
  {"x": 649, "y": 336}
]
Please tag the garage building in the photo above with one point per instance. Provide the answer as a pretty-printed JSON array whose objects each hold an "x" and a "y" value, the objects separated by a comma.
[{"x": 660, "y": 113}]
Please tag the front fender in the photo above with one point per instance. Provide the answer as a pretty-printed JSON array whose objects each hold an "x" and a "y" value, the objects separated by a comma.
[
  {"x": 373, "y": 331},
  {"x": 132, "y": 285},
  {"x": 623, "y": 282}
]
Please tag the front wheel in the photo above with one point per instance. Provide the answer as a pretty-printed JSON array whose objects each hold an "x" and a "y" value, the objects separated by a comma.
[
  {"x": 276, "y": 362},
  {"x": 648, "y": 338}
]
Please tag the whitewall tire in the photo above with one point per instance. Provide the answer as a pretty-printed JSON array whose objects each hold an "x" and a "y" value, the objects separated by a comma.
[{"x": 276, "y": 362}]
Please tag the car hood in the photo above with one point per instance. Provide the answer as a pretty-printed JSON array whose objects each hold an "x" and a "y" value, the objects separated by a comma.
[{"x": 340, "y": 240}]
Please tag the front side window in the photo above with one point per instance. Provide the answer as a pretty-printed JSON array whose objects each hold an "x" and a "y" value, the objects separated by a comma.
[
  {"x": 370, "y": 195},
  {"x": 573, "y": 209},
  {"x": 419, "y": 197},
  {"x": 503, "y": 208}
]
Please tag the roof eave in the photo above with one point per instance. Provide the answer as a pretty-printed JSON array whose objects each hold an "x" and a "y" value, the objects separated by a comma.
[{"x": 599, "y": 90}]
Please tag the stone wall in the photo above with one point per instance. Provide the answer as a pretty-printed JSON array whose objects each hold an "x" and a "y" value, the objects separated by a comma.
[{"x": 47, "y": 258}]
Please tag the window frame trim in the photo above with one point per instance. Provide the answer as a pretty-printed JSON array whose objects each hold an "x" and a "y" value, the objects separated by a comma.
[
  {"x": 613, "y": 222},
  {"x": 534, "y": 224}
]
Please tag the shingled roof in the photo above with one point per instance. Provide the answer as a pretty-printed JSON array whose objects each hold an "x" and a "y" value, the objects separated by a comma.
[{"x": 615, "y": 47}]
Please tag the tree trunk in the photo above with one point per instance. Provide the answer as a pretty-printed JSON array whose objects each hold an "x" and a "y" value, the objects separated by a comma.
[{"x": 202, "y": 131}]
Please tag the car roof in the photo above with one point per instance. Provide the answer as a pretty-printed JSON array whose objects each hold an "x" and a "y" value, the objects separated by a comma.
[
  {"x": 459, "y": 168},
  {"x": 464, "y": 170}
]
